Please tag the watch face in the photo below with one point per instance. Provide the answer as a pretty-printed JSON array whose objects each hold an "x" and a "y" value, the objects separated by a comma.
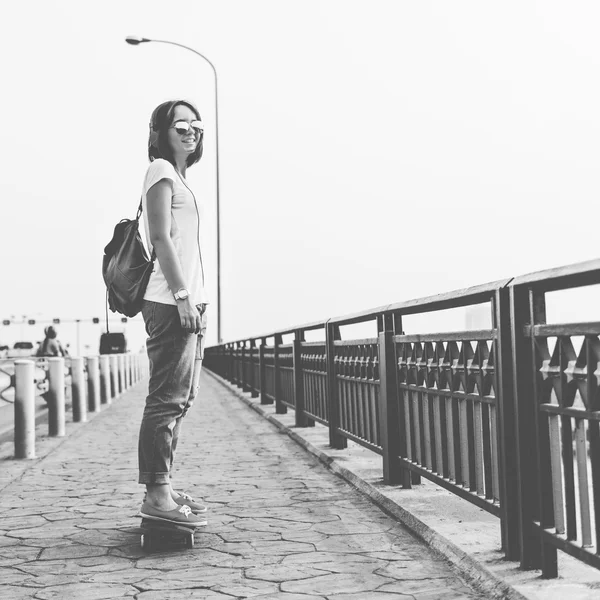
[{"x": 183, "y": 294}]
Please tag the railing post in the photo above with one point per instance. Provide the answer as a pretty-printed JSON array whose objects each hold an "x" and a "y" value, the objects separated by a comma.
[
  {"x": 236, "y": 364},
  {"x": 24, "y": 407},
  {"x": 527, "y": 310},
  {"x": 105, "y": 395},
  {"x": 114, "y": 386},
  {"x": 55, "y": 396},
  {"x": 262, "y": 369},
  {"x": 388, "y": 409},
  {"x": 78, "y": 390},
  {"x": 93, "y": 384},
  {"x": 394, "y": 322},
  {"x": 280, "y": 407},
  {"x": 301, "y": 419},
  {"x": 253, "y": 386},
  {"x": 245, "y": 386},
  {"x": 507, "y": 433},
  {"x": 230, "y": 369},
  {"x": 120, "y": 374},
  {"x": 336, "y": 440}
]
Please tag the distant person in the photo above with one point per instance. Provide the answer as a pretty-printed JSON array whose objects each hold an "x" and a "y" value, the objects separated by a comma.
[
  {"x": 51, "y": 346},
  {"x": 174, "y": 307}
]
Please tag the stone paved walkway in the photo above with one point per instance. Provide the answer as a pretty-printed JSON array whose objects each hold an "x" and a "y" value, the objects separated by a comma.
[{"x": 281, "y": 526}]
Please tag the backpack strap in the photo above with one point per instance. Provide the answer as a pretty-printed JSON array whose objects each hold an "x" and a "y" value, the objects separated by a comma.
[{"x": 137, "y": 218}]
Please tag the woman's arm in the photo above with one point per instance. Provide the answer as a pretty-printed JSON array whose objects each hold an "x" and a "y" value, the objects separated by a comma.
[{"x": 158, "y": 213}]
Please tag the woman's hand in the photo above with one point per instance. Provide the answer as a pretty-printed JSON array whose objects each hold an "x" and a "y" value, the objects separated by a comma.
[{"x": 189, "y": 316}]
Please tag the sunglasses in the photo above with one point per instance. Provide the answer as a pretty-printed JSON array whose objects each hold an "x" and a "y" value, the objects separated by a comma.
[{"x": 182, "y": 127}]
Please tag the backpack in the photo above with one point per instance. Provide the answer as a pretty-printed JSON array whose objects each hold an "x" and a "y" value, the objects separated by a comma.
[{"x": 126, "y": 267}]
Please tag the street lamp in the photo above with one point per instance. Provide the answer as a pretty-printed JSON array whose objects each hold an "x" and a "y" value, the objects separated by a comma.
[{"x": 135, "y": 41}]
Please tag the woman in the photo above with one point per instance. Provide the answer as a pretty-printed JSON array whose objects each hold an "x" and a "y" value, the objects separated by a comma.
[
  {"x": 51, "y": 346},
  {"x": 174, "y": 306}
]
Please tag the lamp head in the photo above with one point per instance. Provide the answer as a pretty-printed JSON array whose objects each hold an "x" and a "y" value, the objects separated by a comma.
[{"x": 134, "y": 40}]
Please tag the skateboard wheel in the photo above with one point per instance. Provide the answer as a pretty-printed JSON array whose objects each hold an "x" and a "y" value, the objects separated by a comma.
[{"x": 145, "y": 542}]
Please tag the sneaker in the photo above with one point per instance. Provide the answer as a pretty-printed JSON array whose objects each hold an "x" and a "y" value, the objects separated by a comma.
[
  {"x": 180, "y": 516},
  {"x": 185, "y": 500}
]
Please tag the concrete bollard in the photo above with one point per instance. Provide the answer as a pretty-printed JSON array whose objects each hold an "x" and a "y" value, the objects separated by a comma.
[
  {"x": 93, "y": 387},
  {"x": 131, "y": 369},
  {"x": 105, "y": 397},
  {"x": 127, "y": 371},
  {"x": 24, "y": 409},
  {"x": 78, "y": 390},
  {"x": 120, "y": 373},
  {"x": 114, "y": 387},
  {"x": 56, "y": 397}
]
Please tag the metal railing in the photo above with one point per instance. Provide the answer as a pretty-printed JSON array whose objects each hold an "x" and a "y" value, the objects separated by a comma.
[
  {"x": 81, "y": 384},
  {"x": 507, "y": 418}
]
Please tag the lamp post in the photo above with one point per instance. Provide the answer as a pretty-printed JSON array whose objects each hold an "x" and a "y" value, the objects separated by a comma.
[{"x": 135, "y": 41}]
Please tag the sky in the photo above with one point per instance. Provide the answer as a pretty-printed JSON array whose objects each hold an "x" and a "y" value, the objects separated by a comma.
[{"x": 369, "y": 151}]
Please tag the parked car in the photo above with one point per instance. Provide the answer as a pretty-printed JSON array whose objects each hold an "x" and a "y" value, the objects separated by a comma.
[
  {"x": 113, "y": 343},
  {"x": 20, "y": 349}
]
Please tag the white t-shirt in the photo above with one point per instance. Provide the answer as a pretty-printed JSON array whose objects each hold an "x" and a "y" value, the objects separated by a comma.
[{"x": 185, "y": 234}]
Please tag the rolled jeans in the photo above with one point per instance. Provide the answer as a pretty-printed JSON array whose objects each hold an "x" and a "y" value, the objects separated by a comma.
[{"x": 175, "y": 358}]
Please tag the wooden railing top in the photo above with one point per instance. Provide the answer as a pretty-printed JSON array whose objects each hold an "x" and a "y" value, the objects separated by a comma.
[
  {"x": 560, "y": 278},
  {"x": 455, "y": 299}
]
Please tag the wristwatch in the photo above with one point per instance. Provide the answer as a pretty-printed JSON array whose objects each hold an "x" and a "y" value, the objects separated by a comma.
[{"x": 181, "y": 294}]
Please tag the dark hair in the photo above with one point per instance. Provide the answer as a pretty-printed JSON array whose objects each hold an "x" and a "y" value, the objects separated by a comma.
[
  {"x": 161, "y": 120},
  {"x": 50, "y": 332}
]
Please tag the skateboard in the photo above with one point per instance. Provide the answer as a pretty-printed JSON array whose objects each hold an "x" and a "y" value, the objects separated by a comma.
[{"x": 155, "y": 534}]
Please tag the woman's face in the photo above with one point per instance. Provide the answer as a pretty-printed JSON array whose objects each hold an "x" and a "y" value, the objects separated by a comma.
[{"x": 183, "y": 143}]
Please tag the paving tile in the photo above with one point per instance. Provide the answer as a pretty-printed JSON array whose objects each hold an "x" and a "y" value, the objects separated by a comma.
[
  {"x": 240, "y": 587},
  {"x": 336, "y": 562},
  {"x": 446, "y": 588},
  {"x": 286, "y": 596},
  {"x": 74, "y": 551},
  {"x": 335, "y": 584},
  {"x": 281, "y": 572},
  {"x": 185, "y": 594},
  {"x": 199, "y": 576},
  {"x": 10, "y": 576},
  {"x": 78, "y": 591},
  {"x": 17, "y": 592},
  {"x": 377, "y": 595}
]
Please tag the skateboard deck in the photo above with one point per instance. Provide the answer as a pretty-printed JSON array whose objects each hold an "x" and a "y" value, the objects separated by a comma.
[{"x": 157, "y": 534}]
